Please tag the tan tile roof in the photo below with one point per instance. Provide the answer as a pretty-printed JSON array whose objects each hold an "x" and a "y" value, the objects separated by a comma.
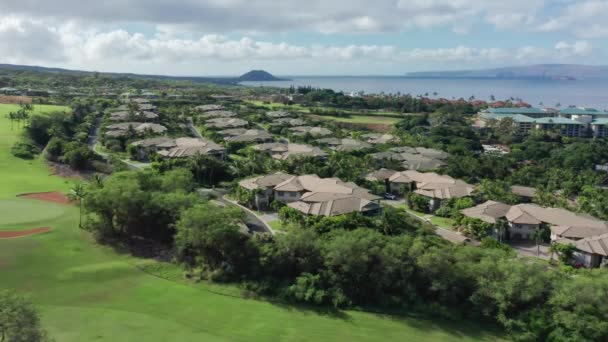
[
  {"x": 263, "y": 182},
  {"x": 577, "y": 232},
  {"x": 181, "y": 147},
  {"x": 246, "y": 135},
  {"x": 380, "y": 175},
  {"x": 226, "y": 123},
  {"x": 594, "y": 245},
  {"x": 375, "y": 138},
  {"x": 534, "y": 214},
  {"x": 488, "y": 211},
  {"x": 209, "y": 107},
  {"x": 284, "y": 151},
  {"x": 523, "y": 191},
  {"x": 314, "y": 131},
  {"x": 218, "y": 114},
  {"x": 277, "y": 114}
]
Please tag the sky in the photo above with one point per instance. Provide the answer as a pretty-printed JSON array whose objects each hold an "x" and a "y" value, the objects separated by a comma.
[{"x": 288, "y": 37}]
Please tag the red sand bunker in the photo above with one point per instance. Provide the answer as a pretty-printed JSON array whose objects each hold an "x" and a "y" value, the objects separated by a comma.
[
  {"x": 55, "y": 197},
  {"x": 9, "y": 234}
]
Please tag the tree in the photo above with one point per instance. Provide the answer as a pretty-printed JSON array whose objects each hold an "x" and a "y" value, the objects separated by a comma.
[
  {"x": 565, "y": 252},
  {"x": 538, "y": 238},
  {"x": 208, "y": 235},
  {"x": 77, "y": 193},
  {"x": 19, "y": 321}
]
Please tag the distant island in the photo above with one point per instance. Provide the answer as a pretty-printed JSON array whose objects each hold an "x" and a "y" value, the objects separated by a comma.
[
  {"x": 251, "y": 76},
  {"x": 540, "y": 71},
  {"x": 259, "y": 76}
]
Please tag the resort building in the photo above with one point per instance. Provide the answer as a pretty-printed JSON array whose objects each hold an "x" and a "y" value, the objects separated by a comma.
[
  {"x": 246, "y": 135},
  {"x": 283, "y": 151},
  {"x": 177, "y": 148},
  {"x": 312, "y": 195},
  {"x": 571, "y": 122}
]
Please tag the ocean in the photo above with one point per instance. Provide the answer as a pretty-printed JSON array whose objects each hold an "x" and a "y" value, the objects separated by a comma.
[{"x": 537, "y": 92}]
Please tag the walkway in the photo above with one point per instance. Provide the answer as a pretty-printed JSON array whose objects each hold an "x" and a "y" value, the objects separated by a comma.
[
  {"x": 447, "y": 234},
  {"x": 255, "y": 222}
]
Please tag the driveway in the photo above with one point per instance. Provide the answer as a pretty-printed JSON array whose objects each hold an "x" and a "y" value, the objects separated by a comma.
[{"x": 528, "y": 249}]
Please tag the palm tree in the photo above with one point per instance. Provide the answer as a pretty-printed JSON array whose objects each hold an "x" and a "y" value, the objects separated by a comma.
[
  {"x": 77, "y": 193},
  {"x": 538, "y": 238}
]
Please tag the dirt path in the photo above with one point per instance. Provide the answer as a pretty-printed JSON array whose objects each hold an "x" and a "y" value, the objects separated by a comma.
[
  {"x": 11, "y": 234},
  {"x": 53, "y": 196}
]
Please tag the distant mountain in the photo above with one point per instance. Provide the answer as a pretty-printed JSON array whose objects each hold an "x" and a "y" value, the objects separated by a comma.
[
  {"x": 258, "y": 76},
  {"x": 254, "y": 75},
  {"x": 541, "y": 71}
]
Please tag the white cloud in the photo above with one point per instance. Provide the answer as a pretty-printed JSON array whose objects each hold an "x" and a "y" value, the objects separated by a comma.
[
  {"x": 26, "y": 41},
  {"x": 288, "y": 15},
  {"x": 584, "y": 18}
]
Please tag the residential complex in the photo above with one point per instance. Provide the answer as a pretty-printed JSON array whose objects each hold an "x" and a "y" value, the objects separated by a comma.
[
  {"x": 571, "y": 122},
  {"x": 311, "y": 195}
]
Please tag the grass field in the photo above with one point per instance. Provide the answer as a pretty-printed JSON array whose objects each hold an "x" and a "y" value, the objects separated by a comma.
[
  {"x": 19, "y": 174},
  {"x": 86, "y": 292},
  {"x": 360, "y": 119}
]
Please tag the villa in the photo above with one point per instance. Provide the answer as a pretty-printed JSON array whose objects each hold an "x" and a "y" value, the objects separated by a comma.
[
  {"x": 246, "y": 135},
  {"x": 177, "y": 148},
  {"x": 277, "y": 114},
  {"x": 414, "y": 158},
  {"x": 344, "y": 145},
  {"x": 284, "y": 122},
  {"x": 141, "y": 116},
  {"x": 283, "y": 151},
  {"x": 571, "y": 122},
  {"x": 218, "y": 114},
  {"x": 224, "y": 123},
  {"x": 312, "y": 195},
  {"x": 379, "y": 139},
  {"x": 429, "y": 184},
  {"x": 309, "y": 130},
  {"x": 209, "y": 108},
  {"x": 122, "y": 129}
]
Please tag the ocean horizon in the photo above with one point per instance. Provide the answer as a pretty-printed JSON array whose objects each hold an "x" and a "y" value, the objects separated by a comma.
[{"x": 537, "y": 92}]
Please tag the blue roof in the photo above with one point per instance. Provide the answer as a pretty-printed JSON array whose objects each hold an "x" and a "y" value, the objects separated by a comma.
[
  {"x": 561, "y": 121},
  {"x": 603, "y": 121},
  {"x": 583, "y": 111},
  {"x": 516, "y": 110},
  {"x": 515, "y": 117}
]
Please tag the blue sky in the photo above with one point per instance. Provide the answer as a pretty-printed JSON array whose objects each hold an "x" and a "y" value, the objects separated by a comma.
[{"x": 355, "y": 37}]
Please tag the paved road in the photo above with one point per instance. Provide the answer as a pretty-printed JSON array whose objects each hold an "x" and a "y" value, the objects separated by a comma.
[
  {"x": 193, "y": 129},
  {"x": 94, "y": 133},
  {"x": 253, "y": 222}
]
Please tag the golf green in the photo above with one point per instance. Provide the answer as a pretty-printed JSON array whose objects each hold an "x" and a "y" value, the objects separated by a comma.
[{"x": 28, "y": 212}]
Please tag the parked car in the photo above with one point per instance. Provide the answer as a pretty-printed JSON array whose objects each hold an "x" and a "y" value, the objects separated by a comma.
[{"x": 390, "y": 196}]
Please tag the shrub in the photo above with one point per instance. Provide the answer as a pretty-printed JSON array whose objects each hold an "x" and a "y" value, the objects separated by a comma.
[
  {"x": 25, "y": 149},
  {"x": 418, "y": 203},
  {"x": 54, "y": 148}
]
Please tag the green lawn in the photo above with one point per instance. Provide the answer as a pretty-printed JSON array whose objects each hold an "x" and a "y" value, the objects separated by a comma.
[
  {"x": 276, "y": 225},
  {"x": 19, "y": 175},
  {"x": 88, "y": 292},
  {"x": 360, "y": 119}
]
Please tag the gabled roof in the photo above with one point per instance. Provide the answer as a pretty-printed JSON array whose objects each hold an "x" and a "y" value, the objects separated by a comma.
[
  {"x": 209, "y": 107},
  {"x": 380, "y": 175},
  {"x": 344, "y": 145},
  {"x": 314, "y": 131},
  {"x": 335, "y": 207},
  {"x": 283, "y": 151},
  {"x": 264, "y": 182},
  {"x": 523, "y": 191},
  {"x": 181, "y": 147},
  {"x": 378, "y": 139},
  {"x": 534, "y": 214},
  {"x": 516, "y": 110},
  {"x": 288, "y": 122},
  {"x": 278, "y": 114},
  {"x": 594, "y": 245},
  {"x": 488, "y": 211},
  {"x": 578, "y": 232},
  {"x": 226, "y": 123},
  {"x": 218, "y": 114},
  {"x": 246, "y": 135},
  {"x": 125, "y": 115}
]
